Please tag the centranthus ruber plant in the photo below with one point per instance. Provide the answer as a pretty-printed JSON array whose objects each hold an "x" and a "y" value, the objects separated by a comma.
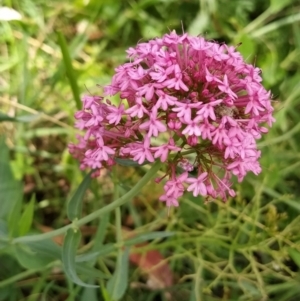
[{"x": 193, "y": 104}]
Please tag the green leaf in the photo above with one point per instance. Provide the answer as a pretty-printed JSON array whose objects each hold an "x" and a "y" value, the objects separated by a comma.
[
  {"x": 30, "y": 259},
  {"x": 89, "y": 294},
  {"x": 247, "y": 46},
  {"x": 90, "y": 272},
  {"x": 75, "y": 204},
  {"x": 278, "y": 5},
  {"x": 295, "y": 255},
  {"x": 109, "y": 248},
  {"x": 75, "y": 46},
  {"x": 14, "y": 218},
  {"x": 101, "y": 231},
  {"x": 42, "y": 132},
  {"x": 10, "y": 189},
  {"x": 23, "y": 118},
  {"x": 193, "y": 295},
  {"x": 147, "y": 236},
  {"x": 4, "y": 117},
  {"x": 105, "y": 293},
  {"x": 293, "y": 204},
  {"x": 117, "y": 284},
  {"x": 69, "y": 248},
  {"x": 4, "y": 239},
  {"x": 27, "y": 217},
  {"x": 28, "y": 118},
  {"x": 199, "y": 23},
  {"x": 3, "y": 228},
  {"x": 106, "y": 249},
  {"x": 69, "y": 68},
  {"x": 47, "y": 248}
]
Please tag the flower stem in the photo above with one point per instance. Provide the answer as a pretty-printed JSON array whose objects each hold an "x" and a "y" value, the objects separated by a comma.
[{"x": 117, "y": 203}]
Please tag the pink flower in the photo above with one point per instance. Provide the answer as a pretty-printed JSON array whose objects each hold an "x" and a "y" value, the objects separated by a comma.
[
  {"x": 208, "y": 109},
  {"x": 176, "y": 82},
  {"x": 154, "y": 126},
  {"x": 159, "y": 74},
  {"x": 174, "y": 189},
  {"x": 115, "y": 114},
  {"x": 184, "y": 109},
  {"x": 142, "y": 152},
  {"x": 138, "y": 110},
  {"x": 100, "y": 154},
  {"x": 225, "y": 87},
  {"x": 197, "y": 185},
  {"x": 193, "y": 127},
  {"x": 162, "y": 151},
  {"x": 165, "y": 101},
  {"x": 199, "y": 96}
]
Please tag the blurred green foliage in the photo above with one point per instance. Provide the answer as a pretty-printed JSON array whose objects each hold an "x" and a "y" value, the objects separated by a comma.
[{"x": 246, "y": 249}]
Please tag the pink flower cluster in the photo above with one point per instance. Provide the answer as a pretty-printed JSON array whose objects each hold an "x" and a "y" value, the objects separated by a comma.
[{"x": 194, "y": 104}]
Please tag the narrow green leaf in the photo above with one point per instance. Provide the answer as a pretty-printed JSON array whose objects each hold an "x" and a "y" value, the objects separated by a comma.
[
  {"x": 117, "y": 284},
  {"x": 193, "y": 295},
  {"x": 23, "y": 118},
  {"x": 28, "y": 118},
  {"x": 275, "y": 25},
  {"x": 75, "y": 204},
  {"x": 89, "y": 294},
  {"x": 69, "y": 248},
  {"x": 14, "y": 216},
  {"x": 30, "y": 259},
  {"x": 147, "y": 236},
  {"x": 105, "y": 293},
  {"x": 74, "y": 47},
  {"x": 42, "y": 132},
  {"x": 4, "y": 239},
  {"x": 295, "y": 255},
  {"x": 90, "y": 272},
  {"x": 10, "y": 189},
  {"x": 47, "y": 248},
  {"x": 101, "y": 231},
  {"x": 79, "y": 41},
  {"x": 278, "y": 5},
  {"x": 4, "y": 117},
  {"x": 292, "y": 203},
  {"x": 283, "y": 287},
  {"x": 69, "y": 68},
  {"x": 106, "y": 249},
  {"x": 3, "y": 228},
  {"x": 109, "y": 248},
  {"x": 5, "y": 293},
  {"x": 27, "y": 217}
]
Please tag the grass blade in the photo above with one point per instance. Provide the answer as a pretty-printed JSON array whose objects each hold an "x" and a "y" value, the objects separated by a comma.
[
  {"x": 69, "y": 68},
  {"x": 27, "y": 217},
  {"x": 10, "y": 189}
]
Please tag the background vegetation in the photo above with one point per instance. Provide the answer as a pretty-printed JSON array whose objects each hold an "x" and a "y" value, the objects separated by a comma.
[{"x": 245, "y": 249}]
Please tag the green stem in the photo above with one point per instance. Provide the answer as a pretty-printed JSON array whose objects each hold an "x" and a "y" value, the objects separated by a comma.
[
  {"x": 26, "y": 274},
  {"x": 258, "y": 21},
  {"x": 117, "y": 203},
  {"x": 18, "y": 277}
]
